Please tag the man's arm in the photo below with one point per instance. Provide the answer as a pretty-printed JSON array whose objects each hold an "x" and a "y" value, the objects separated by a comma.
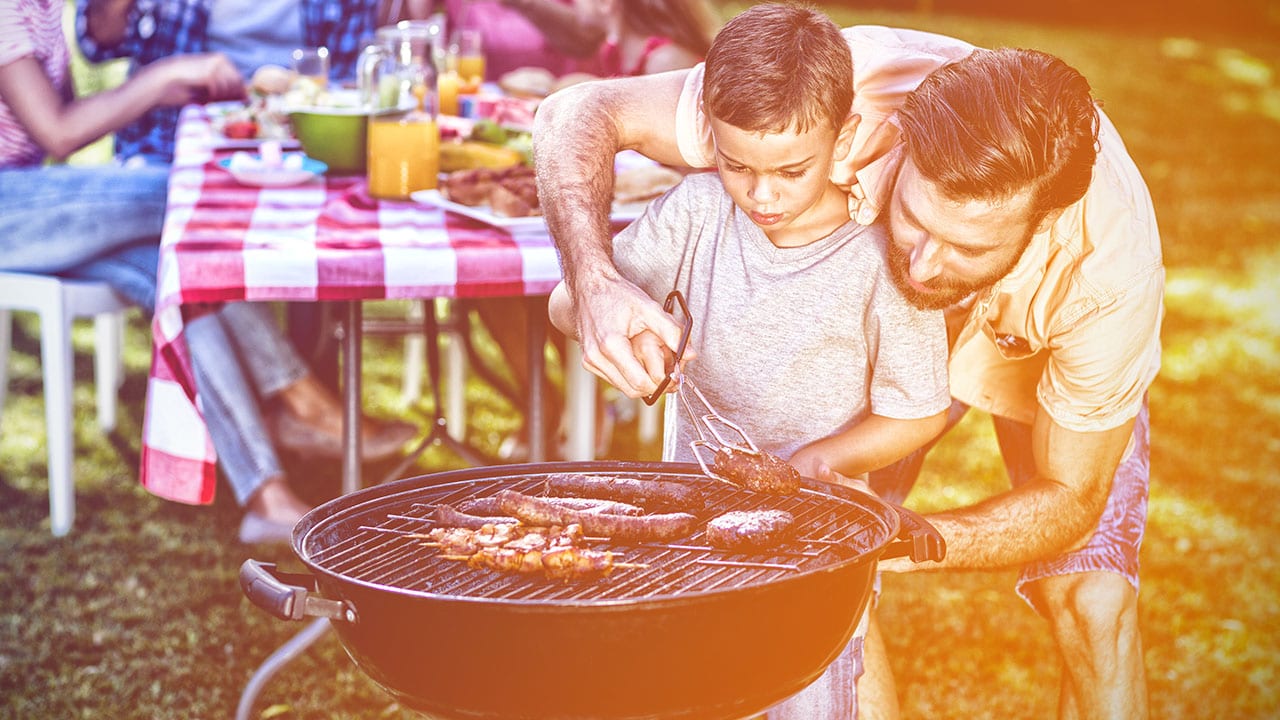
[
  {"x": 1041, "y": 518},
  {"x": 577, "y": 132},
  {"x": 572, "y": 31}
]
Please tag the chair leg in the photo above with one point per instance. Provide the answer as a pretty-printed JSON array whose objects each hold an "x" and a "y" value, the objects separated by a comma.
[
  {"x": 453, "y": 361},
  {"x": 56, "y": 355},
  {"x": 107, "y": 352},
  {"x": 580, "y": 406},
  {"x": 6, "y": 334},
  {"x": 415, "y": 352}
]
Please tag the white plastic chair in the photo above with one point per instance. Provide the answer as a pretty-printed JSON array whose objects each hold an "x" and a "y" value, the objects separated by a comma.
[{"x": 59, "y": 302}]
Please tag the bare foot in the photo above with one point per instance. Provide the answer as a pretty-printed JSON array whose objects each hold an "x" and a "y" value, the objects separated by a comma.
[
  {"x": 275, "y": 501},
  {"x": 312, "y": 403}
]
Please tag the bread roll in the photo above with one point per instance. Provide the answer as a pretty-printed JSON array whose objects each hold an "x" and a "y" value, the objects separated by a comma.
[
  {"x": 643, "y": 183},
  {"x": 531, "y": 82},
  {"x": 271, "y": 80}
]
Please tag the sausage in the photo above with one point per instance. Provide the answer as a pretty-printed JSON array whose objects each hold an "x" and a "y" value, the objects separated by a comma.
[
  {"x": 654, "y": 495},
  {"x": 538, "y": 511},
  {"x": 488, "y": 506},
  {"x": 749, "y": 529},
  {"x": 761, "y": 471}
]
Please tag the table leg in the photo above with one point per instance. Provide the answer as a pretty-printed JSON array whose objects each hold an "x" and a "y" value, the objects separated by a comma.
[
  {"x": 353, "y": 334},
  {"x": 536, "y": 418}
]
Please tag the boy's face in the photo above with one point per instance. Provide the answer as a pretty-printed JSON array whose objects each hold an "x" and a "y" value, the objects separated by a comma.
[{"x": 780, "y": 180}]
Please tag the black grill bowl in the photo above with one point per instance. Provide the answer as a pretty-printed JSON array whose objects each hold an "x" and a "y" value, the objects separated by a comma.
[{"x": 536, "y": 649}]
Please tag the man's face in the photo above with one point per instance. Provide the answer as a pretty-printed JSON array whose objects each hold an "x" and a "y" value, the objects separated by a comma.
[
  {"x": 943, "y": 250},
  {"x": 778, "y": 179}
]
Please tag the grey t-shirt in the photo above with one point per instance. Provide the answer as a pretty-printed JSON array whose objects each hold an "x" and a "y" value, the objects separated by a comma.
[{"x": 793, "y": 344}]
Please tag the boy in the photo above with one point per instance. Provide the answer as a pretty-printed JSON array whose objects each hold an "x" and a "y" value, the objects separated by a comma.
[{"x": 799, "y": 333}]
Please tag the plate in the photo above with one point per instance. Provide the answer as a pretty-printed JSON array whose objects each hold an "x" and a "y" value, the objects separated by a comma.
[
  {"x": 620, "y": 214},
  {"x": 275, "y": 176}
]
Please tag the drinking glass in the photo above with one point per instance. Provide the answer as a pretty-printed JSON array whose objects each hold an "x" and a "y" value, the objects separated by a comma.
[
  {"x": 312, "y": 65},
  {"x": 466, "y": 57}
]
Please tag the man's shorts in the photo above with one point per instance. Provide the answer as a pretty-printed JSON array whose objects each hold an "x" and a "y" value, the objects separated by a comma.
[{"x": 1116, "y": 540}]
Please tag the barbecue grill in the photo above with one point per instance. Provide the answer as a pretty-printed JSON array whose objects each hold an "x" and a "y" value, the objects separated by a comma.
[{"x": 683, "y": 631}]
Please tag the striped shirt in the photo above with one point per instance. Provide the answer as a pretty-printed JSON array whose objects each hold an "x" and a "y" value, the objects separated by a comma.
[
  {"x": 156, "y": 29},
  {"x": 30, "y": 28}
]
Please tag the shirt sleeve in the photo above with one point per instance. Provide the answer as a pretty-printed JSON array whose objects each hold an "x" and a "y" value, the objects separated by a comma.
[
  {"x": 1098, "y": 371},
  {"x": 909, "y": 355},
  {"x": 15, "y": 35},
  {"x": 649, "y": 251}
]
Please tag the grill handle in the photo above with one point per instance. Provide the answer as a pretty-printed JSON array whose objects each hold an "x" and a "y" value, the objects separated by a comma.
[
  {"x": 289, "y": 596},
  {"x": 917, "y": 539}
]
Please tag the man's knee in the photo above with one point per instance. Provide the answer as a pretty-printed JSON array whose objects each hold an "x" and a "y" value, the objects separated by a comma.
[{"x": 1088, "y": 611}]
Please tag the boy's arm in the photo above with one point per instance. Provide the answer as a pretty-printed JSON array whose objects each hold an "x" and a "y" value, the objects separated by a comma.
[{"x": 871, "y": 444}]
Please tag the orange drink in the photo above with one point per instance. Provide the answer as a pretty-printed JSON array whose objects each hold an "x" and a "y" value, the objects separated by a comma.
[
  {"x": 447, "y": 85},
  {"x": 471, "y": 71},
  {"x": 404, "y": 154}
]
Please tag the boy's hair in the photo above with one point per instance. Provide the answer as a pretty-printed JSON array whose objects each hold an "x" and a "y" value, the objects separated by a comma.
[
  {"x": 778, "y": 67},
  {"x": 1001, "y": 121}
]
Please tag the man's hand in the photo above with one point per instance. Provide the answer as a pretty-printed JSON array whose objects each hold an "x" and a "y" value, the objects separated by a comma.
[{"x": 626, "y": 337}]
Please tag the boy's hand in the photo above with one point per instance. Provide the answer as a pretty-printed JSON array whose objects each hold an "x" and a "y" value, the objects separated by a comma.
[
  {"x": 198, "y": 77},
  {"x": 610, "y": 316}
]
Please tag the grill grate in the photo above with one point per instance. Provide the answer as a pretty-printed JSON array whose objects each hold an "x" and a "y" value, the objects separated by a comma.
[{"x": 369, "y": 544}]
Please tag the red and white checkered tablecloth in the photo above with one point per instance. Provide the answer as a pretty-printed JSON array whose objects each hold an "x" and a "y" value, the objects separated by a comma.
[{"x": 326, "y": 239}]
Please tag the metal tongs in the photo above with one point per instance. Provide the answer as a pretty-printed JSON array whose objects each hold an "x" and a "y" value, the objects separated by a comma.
[{"x": 714, "y": 431}]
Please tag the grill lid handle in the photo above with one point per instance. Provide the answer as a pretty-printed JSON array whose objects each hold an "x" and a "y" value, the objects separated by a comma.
[
  {"x": 916, "y": 538},
  {"x": 289, "y": 596}
]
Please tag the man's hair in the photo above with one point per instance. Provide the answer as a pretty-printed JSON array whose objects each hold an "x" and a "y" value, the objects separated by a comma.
[
  {"x": 1001, "y": 121},
  {"x": 777, "y": 67}
]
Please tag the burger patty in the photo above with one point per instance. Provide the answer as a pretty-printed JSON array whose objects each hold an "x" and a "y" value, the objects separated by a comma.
[{"x": 749, "y": 529}]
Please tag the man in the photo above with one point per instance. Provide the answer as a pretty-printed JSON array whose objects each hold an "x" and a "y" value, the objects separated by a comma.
[{"x": 1047, "y": 261}]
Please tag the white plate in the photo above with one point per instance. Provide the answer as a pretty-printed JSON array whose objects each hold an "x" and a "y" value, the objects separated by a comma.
[
  {"x": 620, "y": 214},
  {"x": 274, "y": 177}
]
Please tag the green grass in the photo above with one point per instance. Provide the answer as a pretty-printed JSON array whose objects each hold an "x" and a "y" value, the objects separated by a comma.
[{"x": 138, "y": 613}]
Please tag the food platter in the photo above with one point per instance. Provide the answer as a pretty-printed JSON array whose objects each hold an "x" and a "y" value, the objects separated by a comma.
[
  {"x": 622, "y": 213},
  {"x": 219, "y": 112}
]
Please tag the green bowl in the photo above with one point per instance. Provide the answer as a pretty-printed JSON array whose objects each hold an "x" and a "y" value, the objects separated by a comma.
[{"x": 334, "y": 136}]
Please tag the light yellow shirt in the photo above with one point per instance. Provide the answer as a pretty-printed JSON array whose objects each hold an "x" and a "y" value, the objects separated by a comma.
[{"x": 1075, "y": 327}]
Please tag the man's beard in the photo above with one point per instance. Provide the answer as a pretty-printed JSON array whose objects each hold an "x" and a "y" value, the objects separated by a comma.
[{"x": 943, "y": 292}]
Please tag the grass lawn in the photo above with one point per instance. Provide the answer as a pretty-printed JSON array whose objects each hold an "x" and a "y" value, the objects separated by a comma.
[{"x": 138, "y": 612}]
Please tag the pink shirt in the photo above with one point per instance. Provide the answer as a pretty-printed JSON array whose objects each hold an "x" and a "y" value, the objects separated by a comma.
[
  {"x": 30, "y": 28},
  {"x": 510, "y": 40},
  {"x": 1074, "y": 329}
]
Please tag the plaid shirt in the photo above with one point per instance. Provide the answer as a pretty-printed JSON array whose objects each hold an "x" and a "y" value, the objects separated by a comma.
[{"x": 159, "y": 28}]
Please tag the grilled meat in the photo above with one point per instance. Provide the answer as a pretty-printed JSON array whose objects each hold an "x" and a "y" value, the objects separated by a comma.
[
  {"x": 749, "y": 529},
  {"x": 652, "y": 495},
  {"x": 537, "y": 511},
  {"x": 762, "y": 471}
]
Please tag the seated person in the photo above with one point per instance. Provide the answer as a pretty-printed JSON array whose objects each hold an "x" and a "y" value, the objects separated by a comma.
[
  {"x": 104, "y": 222},
  {"x": 766, "y": 256}
]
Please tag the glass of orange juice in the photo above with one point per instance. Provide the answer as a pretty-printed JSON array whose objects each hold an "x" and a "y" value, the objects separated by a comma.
[
  {"x": 447, "y": 85},
  {"x": 404, "y": 151},
  {"x": 467, "y": 51}
]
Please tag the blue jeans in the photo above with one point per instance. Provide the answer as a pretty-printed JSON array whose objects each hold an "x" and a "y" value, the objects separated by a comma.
[
  {"x": 57, "y": 217},
  {"x": 103, "y": 223},
  {"x": 235, "y": 351},
  {"x": 1116, "y": 540}
]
